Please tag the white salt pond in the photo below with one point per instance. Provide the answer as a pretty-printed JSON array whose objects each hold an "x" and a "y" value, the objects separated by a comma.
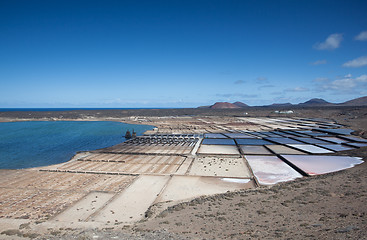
[
  {"x": 271, "y": 170},
  {"x": 310, "y": 148},
  {"x": 218, "y": 150},
  {"x": 315, "y": 165},
  {"x": 220, "y": 166},
  {"x": 187, "y": 187}
]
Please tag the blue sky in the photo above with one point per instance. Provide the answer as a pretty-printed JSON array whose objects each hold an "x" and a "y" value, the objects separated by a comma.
[{"x": 180, "y": 53}]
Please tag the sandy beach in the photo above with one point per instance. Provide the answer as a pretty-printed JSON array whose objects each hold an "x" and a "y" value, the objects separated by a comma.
[{"x": 329, "y": 206}]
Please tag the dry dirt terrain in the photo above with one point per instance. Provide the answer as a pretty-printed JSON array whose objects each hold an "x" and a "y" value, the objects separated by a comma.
[{"x": 330, "y": 206}]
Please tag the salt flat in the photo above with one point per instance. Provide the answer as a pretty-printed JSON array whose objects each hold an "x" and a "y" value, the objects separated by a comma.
[
  {"x": 131, "y": 204},
  {"x": 220, "y": 167},
  {"x": 118, "y": 185},
  {"x": 187, "y": 187},
  {"x": 84, "y": 208}
]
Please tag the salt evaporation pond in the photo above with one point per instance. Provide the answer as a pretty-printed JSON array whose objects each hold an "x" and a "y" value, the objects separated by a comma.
[{"x": 41, "y": 143}]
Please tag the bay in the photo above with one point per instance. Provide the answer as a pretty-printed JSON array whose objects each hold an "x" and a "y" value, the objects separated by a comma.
[{"x": 41, "y": 143}]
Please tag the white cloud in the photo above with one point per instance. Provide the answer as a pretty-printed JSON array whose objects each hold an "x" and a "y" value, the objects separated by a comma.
[
  {"x": 332, "y": 42},
  {"x": 358, "y": 62},
  {"x": 362, "y": 36},
  {"x": 362, "y": 78},
  {"x": 319, "y": 62},
  {"x": 340, "y": 84},
  {"x": 297, "y": 89},
  {"x": 348, "y": 75},
  {"x": 346, "y": 84}
]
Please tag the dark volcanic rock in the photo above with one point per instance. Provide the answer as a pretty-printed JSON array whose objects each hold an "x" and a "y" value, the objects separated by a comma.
[
  {"x": 220, "y": 105},
  {"x": 281, "y": 105},
  {"x": 362, "y": 101},
  {"x": 241, "y": 104},
  {"x": 315, "y": 102},
  {"x": 204, "y": 106}
]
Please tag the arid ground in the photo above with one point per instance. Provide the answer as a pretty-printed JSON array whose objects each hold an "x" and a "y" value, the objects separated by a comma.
[{"x": 330, "y": 206}]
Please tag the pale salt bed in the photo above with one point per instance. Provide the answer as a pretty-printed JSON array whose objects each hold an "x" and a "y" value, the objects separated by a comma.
[
  {"x": 218, "y": 149},
  {"x": 236, "y": 180},
  {"x": 271, "y": 170},
  {"x": 335, "y": 147},
  {"x": 187, "y": 187},
  {"x": 220, "y": 166},
  {"x": 310, "y": 148},
  {"x": 280, "y": 149},
  {"x": 134, "y": 201},
  {"x": 246, "y": 149},
  {"x": 315, "y": 165},
  {"x": 85, "y": 208}
]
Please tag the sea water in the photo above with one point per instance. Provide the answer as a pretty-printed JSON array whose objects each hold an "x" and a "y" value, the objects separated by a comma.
[{"x": 41, "y": 143}]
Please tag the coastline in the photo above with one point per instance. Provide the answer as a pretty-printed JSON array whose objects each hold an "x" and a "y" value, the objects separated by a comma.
[
  {"x": 343, "y": 114},
  {"x": 70, "y": 120},
  {"x": 338, "y": 189}
]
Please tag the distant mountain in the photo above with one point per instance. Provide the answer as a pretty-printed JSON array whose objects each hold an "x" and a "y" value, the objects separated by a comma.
[
  {"x": 204, "y": 106},
  {"x": 281, "y": 105},
  {"x": 315, "y": 102},
  {"x": 241, "y": 104},
  {"x": 221, "y": 105},
  {"x": 362, "y": 101}
]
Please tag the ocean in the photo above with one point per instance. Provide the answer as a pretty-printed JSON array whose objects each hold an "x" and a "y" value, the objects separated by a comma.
[
  {"x": 64, "y": 109},
  {"x": 41, "y": 143}
]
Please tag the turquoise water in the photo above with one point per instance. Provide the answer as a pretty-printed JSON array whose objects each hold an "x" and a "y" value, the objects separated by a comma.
[{"x": 34, "y": 144}]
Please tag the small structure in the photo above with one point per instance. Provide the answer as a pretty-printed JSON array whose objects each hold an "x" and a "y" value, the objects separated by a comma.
[
  {"x": 284, "y": 112},
  {"x": 128, "y": 134}
]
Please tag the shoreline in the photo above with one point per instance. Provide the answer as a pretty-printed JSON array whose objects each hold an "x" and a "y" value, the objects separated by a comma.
[
  {"x": 68, "y": 120},
  {"x": 343, "y": 114}
]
